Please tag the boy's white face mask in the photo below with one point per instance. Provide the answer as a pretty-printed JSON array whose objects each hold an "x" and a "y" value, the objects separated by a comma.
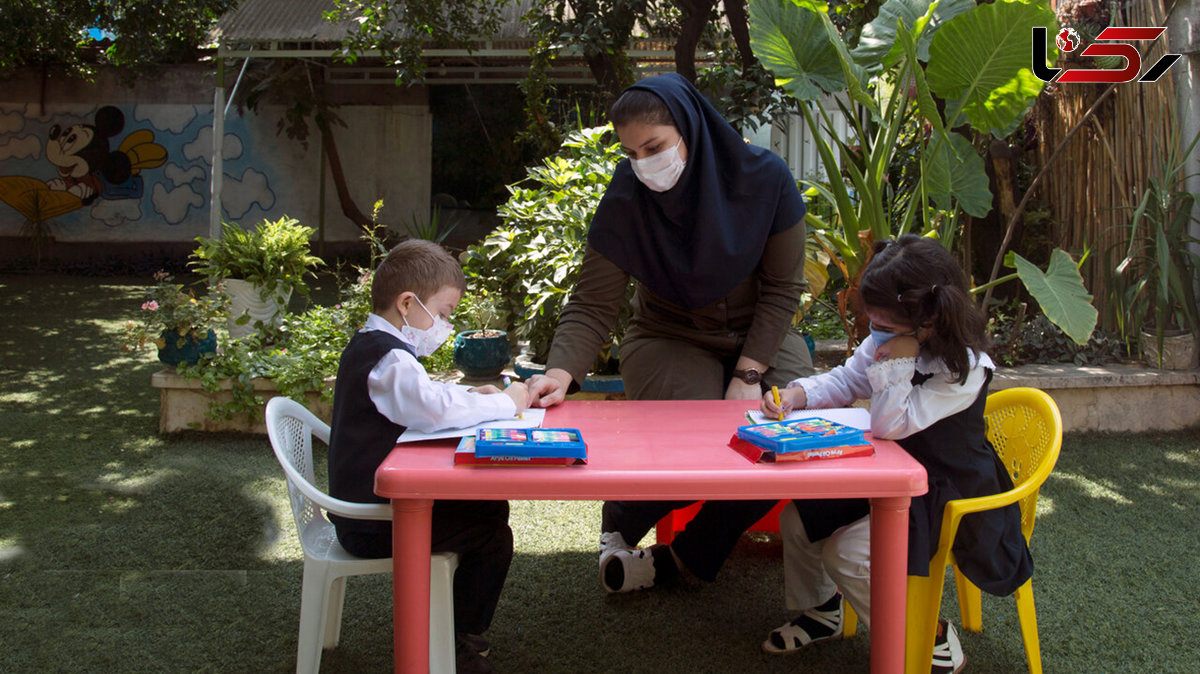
[
  {"x": 660, "y": 172},
  {"x": 428, "y": 340}
]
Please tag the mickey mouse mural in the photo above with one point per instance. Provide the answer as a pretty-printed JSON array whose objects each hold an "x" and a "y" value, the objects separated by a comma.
[{"x": 88, "y": 168}]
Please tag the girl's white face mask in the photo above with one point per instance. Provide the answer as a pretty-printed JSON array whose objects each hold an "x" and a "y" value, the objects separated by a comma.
[
  {"x": 428, "y": 340},
  {"x": 660, "y": 172}
]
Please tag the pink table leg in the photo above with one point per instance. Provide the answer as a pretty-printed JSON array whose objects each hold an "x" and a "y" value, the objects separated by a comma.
[
  {"x": 889, "y": 572},
  {"x": 410, "y": 583}
]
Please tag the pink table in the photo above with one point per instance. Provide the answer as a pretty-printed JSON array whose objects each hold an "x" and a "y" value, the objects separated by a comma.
[{"x": 649, "y": 450}]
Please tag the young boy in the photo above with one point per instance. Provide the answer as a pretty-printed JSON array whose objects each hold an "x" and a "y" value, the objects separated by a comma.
[{"x": 381, "y": 390}]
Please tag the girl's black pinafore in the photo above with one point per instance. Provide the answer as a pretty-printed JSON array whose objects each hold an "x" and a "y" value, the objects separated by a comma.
[{"x": 961, "y": 463}]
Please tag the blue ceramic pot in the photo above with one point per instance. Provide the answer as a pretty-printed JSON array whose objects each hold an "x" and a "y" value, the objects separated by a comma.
[
  {"x": 481, "y": 357},
  {"x": 172, "y": 353}
]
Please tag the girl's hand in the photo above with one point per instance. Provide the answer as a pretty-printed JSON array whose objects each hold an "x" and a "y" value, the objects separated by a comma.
[
  {"x": 486, "y": 389},
  {"x": 789, "y": 399},
  {"x": 740, "y": 390},
  {"x": 903, "y": 346}
]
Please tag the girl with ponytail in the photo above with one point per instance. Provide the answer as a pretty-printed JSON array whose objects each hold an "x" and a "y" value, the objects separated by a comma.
[{"x": 926, "y": 372}]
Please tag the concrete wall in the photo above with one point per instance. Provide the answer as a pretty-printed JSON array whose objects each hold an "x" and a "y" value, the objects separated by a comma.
[{"x": 168, "y": 125}]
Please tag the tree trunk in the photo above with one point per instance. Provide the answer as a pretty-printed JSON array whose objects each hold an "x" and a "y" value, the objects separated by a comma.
[
  {"x": 349, "y": 208},
  {"x": 695, "y": 18},
  {"x": 735, "y": 12}
]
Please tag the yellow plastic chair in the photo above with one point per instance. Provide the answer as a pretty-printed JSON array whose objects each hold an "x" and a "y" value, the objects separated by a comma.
[{"x": 1024, "y": 426}]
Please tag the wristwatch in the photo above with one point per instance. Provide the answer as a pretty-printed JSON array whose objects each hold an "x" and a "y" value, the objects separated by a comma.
[{"x": 750, "y": 375}]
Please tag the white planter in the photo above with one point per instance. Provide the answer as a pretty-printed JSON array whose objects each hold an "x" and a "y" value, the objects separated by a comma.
[
  {"x": 246, "y": 298},
  {"x": 1179, "y": 350}
]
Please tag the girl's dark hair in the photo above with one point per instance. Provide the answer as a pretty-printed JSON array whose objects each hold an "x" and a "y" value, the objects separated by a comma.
[
  {"x": 640, "y": 105},
  {"x": 914, "y": 277}
]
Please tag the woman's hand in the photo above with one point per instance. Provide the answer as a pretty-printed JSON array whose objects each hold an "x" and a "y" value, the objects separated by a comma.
[
  {"x": 740, "y": 390},
  {"x": 486, "y": 389},
  {"x": 550, "y": 389},
  {"x": 789, "y": 399}
]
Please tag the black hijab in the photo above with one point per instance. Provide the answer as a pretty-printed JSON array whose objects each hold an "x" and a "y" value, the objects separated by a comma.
[{"x": 695, "y": 242}]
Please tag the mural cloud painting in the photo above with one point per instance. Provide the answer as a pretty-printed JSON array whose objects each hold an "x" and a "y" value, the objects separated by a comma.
[
  {"x": 239, "y": 195},
  {"x": 25, "y": 147},
  {"x": 184, "y": 176},
  {"x": 117, "y": 212},
  {"x": 173, "y": 204},
  {"x": 11, "y": 122},
  {"x": 202, "y": 147},
  {"x": 173, "y": 118}
]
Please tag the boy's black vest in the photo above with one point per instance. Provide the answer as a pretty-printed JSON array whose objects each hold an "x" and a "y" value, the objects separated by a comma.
[{"x": 360, "y": 437}]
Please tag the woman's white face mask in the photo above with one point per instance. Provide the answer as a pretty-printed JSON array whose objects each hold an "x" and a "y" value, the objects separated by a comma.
[{"x": 661, "y": 171}]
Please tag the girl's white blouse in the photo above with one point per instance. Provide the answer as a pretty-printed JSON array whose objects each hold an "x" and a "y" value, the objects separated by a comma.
[{"x": 898, "y": 409}]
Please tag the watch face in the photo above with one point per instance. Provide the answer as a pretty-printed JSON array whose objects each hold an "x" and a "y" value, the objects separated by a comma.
[{"x": 752, "y": 376}]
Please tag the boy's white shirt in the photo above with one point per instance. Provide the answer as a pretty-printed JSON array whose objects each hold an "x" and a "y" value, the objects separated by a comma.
[
  {"x": 898, "y": 409},
  {"x": 403, "y": 392}
]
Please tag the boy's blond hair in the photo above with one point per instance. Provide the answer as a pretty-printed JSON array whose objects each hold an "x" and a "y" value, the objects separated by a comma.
[{"x": 417, "y": 266}]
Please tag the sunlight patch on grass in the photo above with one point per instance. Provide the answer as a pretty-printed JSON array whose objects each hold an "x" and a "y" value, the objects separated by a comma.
[
  {"x": 1092, "y": 488},
  {"x": 10, "y": 550},
  {"x": 1045, "y": 505},
  {"x": 137, "y": 483}
]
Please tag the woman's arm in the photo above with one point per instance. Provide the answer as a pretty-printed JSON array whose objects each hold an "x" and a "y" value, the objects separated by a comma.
[
  {"x": 781, "y": 284},
  {"x": 585, "y": 325}
]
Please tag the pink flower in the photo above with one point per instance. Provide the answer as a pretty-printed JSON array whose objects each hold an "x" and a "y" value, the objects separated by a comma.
[{"x": 150, "y": 306}]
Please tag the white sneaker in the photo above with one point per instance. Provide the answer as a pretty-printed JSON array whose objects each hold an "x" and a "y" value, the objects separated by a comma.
[
  {"x": 636, "y": 570},
  {"x": 948, "y": 656}
]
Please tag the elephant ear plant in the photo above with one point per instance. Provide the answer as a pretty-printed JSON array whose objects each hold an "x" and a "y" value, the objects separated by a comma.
[{"x": 949, "y": 63}]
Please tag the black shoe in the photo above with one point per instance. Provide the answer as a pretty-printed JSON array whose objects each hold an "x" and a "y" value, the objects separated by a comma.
[
  {"x": 467, "y": 660},
  {"x": 475, "y": 643}
]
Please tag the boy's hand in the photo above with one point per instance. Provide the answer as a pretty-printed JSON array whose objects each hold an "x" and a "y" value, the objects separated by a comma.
[
  {"x": 486, "y": 389},
  {"x": 789, "y": 399},
  {"x": 519, "y": 394},
  {"x": 903, "y": 346}
]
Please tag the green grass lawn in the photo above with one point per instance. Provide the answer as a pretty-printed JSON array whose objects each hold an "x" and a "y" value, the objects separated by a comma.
[{"x": 123, "y": 550}]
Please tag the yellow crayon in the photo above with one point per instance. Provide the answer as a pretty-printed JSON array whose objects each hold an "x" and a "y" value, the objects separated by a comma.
[{"x": 778, "y": 403}]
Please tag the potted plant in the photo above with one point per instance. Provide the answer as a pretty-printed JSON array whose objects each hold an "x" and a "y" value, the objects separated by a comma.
[
  {"x": 178, "y": 322},
  {"x": 479, "y": 351},
  {"x": 1153, "y": 286},
  {"x": 259, "y": 269}
]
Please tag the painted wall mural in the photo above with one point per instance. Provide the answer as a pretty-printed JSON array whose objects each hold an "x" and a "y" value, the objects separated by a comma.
[{"x": 125, "y": 173}]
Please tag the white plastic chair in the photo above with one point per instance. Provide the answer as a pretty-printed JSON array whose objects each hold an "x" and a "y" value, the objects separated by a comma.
[{"x": 326, "y": 564}]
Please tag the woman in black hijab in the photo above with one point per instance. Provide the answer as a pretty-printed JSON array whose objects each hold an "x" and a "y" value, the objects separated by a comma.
[{"x": 712, "y": 229}]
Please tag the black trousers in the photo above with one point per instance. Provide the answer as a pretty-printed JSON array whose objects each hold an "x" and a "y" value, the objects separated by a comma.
[
  {"x": 705, "y": 544},
  {"x": 478, "y": 531}
]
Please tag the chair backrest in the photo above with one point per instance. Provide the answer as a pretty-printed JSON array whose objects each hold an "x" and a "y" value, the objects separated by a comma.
[
  {"x": 1025, "y": 427},
  {"x": 291, "y": 427}
]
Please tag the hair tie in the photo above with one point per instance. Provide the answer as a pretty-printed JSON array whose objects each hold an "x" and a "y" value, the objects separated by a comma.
[{"x": 933, "y": 289}]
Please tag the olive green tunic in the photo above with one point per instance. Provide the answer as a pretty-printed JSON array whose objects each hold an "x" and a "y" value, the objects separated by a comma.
[{"x": 671, "y": 353}]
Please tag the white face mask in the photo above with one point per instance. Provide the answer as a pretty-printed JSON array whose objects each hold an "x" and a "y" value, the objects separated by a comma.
[
  {"x": 660, "y": 172},
  {"x": 428, "y": 340}
]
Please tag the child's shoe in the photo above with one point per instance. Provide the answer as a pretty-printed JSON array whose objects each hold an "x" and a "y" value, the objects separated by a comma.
[
  {"x": 468, "y": 660},
  {"x": 820, "y": 623},
  {"x": 948, "y": 657},
  {"x": 625, "y": 569}
]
